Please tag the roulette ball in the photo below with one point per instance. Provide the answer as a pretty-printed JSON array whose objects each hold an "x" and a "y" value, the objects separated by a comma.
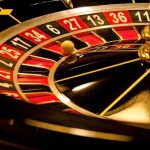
[{"x": 74, "y": 73}]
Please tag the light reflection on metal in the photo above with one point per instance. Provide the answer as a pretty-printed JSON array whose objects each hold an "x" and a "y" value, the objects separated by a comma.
[
  {"x": 144, "y": 52},
  {"x": 77, "y": 131},
  {"x": 68, "y": 3},
  {"x": 146, "y": 33},
  {"x": 82, "y": 87}
]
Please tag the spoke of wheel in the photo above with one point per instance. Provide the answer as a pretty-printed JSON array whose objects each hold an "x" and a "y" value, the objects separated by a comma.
[
  {"x": 98, "y": 70},
  {"x": 125, "y": 92}
]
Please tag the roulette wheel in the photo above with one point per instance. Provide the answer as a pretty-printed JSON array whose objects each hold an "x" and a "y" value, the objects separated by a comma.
[{"x": 74, "y": 72}]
